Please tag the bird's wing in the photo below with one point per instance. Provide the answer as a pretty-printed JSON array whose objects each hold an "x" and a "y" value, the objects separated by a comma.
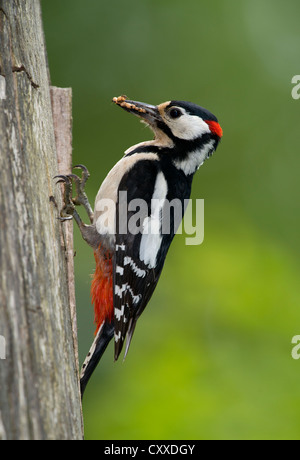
[{"x": 136, "y": 268}]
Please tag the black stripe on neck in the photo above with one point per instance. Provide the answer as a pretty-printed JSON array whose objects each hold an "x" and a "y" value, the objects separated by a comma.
[
  {"x": 145, "y": 149},
  {"x": 181, "y": 147}
]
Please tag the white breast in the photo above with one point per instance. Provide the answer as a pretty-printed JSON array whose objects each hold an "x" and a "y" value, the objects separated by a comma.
[{"x": 106, "y": 199}]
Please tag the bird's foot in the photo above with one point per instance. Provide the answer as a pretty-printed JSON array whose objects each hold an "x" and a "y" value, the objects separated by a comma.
[
  {"x": 81, "y": 197},
  {"x": 68, "y": 209}
]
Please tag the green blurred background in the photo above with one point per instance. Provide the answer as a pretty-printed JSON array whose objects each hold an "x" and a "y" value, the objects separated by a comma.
[{"x": 211, "y": 356}]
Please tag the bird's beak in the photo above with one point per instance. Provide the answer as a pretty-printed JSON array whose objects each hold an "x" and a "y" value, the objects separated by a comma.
[{"x": 147, "y": 112}]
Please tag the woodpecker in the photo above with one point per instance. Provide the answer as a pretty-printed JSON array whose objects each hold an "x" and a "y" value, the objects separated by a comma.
[{"x": 129, "y": 263}]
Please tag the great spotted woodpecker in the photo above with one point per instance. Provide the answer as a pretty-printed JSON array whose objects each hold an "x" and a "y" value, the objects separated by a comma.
[{"x": 129, "y": 263}]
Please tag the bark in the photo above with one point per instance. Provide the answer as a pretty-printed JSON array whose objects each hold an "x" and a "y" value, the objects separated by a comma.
[
  {"x": 39, "y": 391},
  {"x": 61, "y": 100}
]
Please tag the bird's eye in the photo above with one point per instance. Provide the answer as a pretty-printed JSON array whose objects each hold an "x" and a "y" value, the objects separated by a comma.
[{"x": 175, "y": 113}]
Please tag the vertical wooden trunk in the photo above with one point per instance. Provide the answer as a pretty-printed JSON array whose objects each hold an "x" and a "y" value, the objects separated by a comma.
[{"x": 39, "y": 395}]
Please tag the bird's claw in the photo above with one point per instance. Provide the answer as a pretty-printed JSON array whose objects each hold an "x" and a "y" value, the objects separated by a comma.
[
  {"x": 68, "y": 209},
  {"x": 63, "y": 219},
  {"x": 85, "y": 173},
  {"x": 81, "y": 197}
]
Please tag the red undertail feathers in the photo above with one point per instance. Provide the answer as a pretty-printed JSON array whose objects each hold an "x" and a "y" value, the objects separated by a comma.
[{"x": 102, "y": 288}]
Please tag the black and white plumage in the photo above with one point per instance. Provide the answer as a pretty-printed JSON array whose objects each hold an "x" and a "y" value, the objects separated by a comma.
[{"x": 156, "y": 172}]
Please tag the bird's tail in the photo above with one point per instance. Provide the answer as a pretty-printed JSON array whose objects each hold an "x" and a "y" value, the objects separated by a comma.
[{"x": 104, "y": 335}]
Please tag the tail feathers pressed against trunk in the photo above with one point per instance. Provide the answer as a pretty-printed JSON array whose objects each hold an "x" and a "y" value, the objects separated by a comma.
[{"x": 104, "y": 335}]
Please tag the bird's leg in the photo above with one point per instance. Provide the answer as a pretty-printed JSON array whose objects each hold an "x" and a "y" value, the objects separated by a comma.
[
  {"x": 68, "y": 211},
  {"x": 81, "y": 197}
]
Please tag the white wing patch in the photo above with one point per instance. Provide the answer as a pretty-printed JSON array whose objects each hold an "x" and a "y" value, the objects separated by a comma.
[
  {"x": 117, "y": 336},
  {"x": 120, "y": 247},
  {"x": 119, "y": 312},
  {"x": 152, "y": 238},
  {"x": 119, "y": 290},
  {"x": 119, "y": 270},
  {"x": 125, "y": 287},
  {"x": 139, "y": 272}
]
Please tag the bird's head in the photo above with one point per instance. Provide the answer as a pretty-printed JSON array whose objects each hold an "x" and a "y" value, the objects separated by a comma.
[{"x": 181, "y": 126}]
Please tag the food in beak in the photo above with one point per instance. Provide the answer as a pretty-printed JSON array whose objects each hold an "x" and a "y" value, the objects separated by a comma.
[{"x": 129, "y": 105}]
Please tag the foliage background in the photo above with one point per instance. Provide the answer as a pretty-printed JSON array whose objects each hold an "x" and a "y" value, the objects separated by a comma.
[{"x": 211, "y": 356}]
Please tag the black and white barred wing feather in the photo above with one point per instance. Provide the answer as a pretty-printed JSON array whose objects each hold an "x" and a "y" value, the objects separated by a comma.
[
  {"x": 130, "y": 283},
  {"x": 135, "y": 270}
]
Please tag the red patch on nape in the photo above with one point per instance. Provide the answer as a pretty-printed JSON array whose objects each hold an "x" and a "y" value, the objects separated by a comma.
[
  {"x": 102, "y": 288},
  {"x": 214, "y": 127}
]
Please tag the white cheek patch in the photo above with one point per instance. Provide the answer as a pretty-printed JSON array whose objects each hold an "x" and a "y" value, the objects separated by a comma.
[{"x": 188, "y": 127}]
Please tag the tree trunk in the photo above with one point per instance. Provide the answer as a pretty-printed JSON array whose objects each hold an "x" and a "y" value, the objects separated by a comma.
[{"x": 39, "y": 392}]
